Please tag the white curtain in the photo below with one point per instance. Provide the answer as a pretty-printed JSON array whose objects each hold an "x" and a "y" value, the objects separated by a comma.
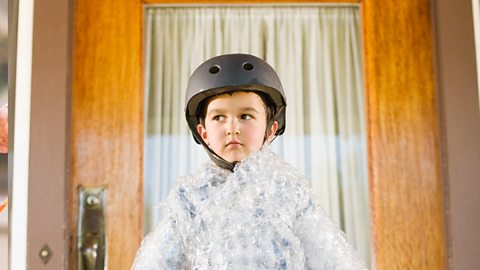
[{"x": 316, "y": 52}]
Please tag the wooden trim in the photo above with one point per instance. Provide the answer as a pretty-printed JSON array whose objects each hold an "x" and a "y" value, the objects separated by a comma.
[
  {"x": 460, "y": 114},
  {"x": 107, "y": 115},
  {"x": 406, "y": 188},
  {"x": 214, "y": 2},
  {"x": 48, "y": 176}
]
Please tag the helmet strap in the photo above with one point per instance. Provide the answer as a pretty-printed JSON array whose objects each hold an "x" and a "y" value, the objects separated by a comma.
[
  {"x": 218, "y": 160},
  {"x": 270, "y": 124}
]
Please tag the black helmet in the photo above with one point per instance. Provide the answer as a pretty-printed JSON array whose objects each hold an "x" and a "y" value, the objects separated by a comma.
[{"x": 228, "y": 73}]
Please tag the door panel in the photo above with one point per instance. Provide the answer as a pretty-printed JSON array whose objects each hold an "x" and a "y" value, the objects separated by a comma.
[
  {"x": 106, "y": 128},
  {"x": 403, "y": 135},
  {"x": 406, "y": 192}
]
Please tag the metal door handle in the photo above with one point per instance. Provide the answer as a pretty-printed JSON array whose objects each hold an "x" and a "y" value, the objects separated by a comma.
[
  {"x": 90, "y": 255},
  {"x": 91, "y": 244}
]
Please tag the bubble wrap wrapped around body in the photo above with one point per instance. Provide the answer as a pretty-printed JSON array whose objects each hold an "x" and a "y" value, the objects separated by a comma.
[{"x": 261, "y": 216}]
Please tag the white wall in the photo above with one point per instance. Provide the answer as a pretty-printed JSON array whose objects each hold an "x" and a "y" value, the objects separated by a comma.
[{"x": 19, "y": 188}]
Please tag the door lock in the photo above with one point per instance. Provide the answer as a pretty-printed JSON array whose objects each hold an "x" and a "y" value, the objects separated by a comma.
[{"x": 91, "y": 243}]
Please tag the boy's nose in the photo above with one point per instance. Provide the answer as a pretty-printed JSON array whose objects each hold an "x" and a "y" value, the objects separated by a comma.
[{"x": 232, "y": 128}]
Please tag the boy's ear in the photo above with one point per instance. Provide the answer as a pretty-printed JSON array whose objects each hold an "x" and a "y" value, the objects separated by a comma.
[
  {"x": 273, "y": 130},
  {"x": 203, "y": 132}
]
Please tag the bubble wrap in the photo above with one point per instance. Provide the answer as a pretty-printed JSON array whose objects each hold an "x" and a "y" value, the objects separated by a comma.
[{"x": 261, "y": 216}]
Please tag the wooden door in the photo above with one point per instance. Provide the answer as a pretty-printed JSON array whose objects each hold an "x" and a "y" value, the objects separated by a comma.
[
  {"x": 106, "y": 127},
  {"x": 403, "y": 135}
]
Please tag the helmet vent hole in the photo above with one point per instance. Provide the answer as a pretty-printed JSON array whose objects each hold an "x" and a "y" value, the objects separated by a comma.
[
  {"x": 214, "y": 70},
  {"x": 247, "y": 66}
]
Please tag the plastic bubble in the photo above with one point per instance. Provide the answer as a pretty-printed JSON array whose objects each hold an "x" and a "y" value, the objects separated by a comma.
[{"x": 260, "y": 216}]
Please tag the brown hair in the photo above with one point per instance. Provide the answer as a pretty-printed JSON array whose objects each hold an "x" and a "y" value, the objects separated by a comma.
[{"x": 267, "y": 102}]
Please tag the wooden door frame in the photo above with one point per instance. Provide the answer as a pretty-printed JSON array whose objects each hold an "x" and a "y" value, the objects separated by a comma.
[
  {"x": 406, "y": 196},
  {"x": 405, "y": 170},
  {"x": 48, "y": 164},
  {"x": 460, "y": 120}
]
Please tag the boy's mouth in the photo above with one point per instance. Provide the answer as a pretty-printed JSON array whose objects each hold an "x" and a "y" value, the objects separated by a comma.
[{"x": 233, "y": 143}]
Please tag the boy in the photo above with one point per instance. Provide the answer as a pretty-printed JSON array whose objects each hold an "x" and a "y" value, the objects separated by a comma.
[{"x": 250, "y": 209}]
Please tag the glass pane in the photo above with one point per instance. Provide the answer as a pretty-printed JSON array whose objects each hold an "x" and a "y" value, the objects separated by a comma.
[{"x": 316, "y": 52}]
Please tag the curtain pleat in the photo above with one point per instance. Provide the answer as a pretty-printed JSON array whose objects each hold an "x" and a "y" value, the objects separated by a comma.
[{"x": 316, "y": 52}]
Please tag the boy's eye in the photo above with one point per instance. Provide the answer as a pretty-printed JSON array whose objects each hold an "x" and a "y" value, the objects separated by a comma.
[
  {"x": 218, "y": 117},
  {"x": 246, "y": 117}
]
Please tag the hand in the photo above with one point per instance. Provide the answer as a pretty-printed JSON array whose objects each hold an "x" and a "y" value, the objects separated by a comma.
[
  {"x": 4, "y": 129},
  {"x": 3, "y": 204}
]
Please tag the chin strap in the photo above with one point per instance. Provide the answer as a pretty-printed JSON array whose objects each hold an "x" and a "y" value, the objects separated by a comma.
[
  {"x": 270, "y": 124},
  {"x": 218, "y": 160}
]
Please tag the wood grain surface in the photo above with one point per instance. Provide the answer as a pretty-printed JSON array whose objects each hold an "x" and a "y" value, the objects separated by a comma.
[
  {"x": 403, "y": 136},
  {"x": 214, "y": 2},
  {"x": 107, "y": 115}
]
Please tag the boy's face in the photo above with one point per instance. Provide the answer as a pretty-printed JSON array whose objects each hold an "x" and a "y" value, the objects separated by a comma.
[{"x": 235, "y": 125}]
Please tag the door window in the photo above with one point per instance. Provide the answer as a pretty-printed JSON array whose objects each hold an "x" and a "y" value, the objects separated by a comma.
[{"x": 316, "y": 52}]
